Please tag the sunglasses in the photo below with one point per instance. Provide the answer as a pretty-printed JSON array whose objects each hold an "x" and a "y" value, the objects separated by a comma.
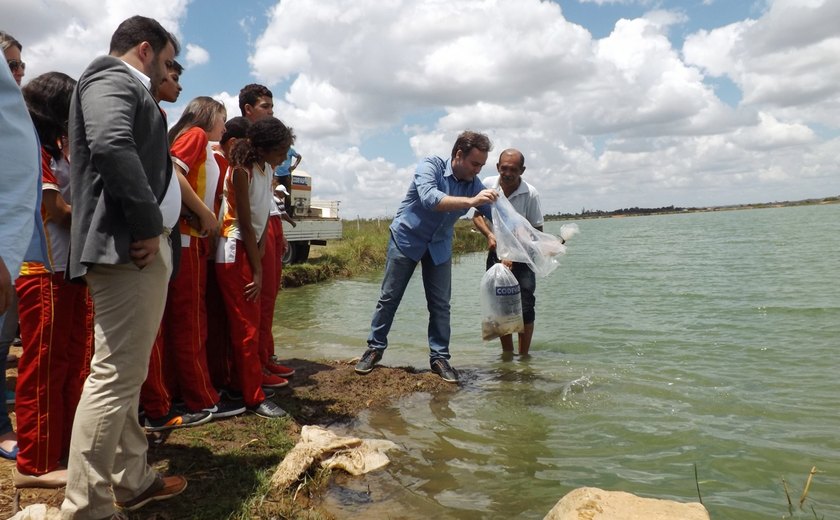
[{"x": 16, "y": 64}]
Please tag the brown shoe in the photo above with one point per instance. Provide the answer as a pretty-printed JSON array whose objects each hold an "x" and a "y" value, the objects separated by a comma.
[
  {"x": 161, "y": 489},
  {"x": 51, "y": 480}
]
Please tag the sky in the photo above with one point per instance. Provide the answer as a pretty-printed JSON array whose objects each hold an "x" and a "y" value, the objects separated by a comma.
[{"x": 614, "y": 103}]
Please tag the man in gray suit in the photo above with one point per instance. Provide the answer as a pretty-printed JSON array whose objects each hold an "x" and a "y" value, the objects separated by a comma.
[{"x": 125, "y": 202}]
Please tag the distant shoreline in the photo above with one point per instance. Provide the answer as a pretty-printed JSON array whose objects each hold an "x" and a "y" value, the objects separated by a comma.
[{"x": 671, "y": 210}]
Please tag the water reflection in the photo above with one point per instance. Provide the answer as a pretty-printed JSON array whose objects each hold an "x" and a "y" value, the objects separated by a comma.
[{"x": 495, "y": 431}]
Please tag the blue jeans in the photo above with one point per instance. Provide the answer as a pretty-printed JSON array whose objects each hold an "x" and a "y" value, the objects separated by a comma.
[
  {"x": 437, "y": 282},
  {"x": 8, "y": 328}
]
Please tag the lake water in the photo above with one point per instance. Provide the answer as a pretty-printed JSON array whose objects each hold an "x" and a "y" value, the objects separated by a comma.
[{"x": 664, "y": 342}]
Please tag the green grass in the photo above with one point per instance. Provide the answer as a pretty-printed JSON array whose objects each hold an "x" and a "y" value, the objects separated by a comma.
[
  {"x": 228, "y": 465},
  {"x": 363, "y": 250}
]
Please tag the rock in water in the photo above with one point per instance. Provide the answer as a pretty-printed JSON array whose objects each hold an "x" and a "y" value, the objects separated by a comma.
[{"x": 596, "y": 504}]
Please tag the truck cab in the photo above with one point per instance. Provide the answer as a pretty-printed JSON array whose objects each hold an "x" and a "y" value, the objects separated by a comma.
[{"x": 317, "y": 220}]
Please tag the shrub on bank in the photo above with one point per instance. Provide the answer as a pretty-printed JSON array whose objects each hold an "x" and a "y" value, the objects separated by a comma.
[{"x": 363, "y": 250}]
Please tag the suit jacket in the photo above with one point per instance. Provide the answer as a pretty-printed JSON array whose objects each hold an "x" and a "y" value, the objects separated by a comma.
[{"x": 120, "y": 166}]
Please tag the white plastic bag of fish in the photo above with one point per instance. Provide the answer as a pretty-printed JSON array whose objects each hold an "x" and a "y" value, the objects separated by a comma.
[
  {"x": 501, "y": 303},
  {"x": 518, "y": 241}
]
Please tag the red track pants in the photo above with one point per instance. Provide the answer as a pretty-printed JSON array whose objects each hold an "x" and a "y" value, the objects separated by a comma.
[
  {"x": 219, "y": 353},
  {"x": 244, "y": 324},
  {"x": 272, "y": 278},
  {"x": 56, "y": 326},
  {"x": 178, "y": 364}
]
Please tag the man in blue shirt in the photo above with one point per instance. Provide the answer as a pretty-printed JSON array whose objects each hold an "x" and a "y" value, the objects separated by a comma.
[
  {"x": 287, "y": 167},
  {"x": 283, "y": 175},
  {"x": 442, "y": 191}
]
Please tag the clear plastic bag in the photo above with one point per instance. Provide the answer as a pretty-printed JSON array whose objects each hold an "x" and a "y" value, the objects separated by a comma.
[
  {"x": 501, "y": 303},
  {"x": 518, "y": 241}
]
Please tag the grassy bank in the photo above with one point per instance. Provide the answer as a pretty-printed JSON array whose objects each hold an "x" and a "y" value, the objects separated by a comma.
[{"x": 363, "y": 250}]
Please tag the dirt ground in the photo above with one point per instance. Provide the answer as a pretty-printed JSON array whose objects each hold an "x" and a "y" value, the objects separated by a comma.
[{"x": 321, "y": 392}]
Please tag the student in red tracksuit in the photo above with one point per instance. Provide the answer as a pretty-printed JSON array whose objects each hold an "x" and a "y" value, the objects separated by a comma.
[
  {"x": 272, "y": 263},
  {"x": 218, "y": 342},
  {"x": 245, "y": 208},
  {"x": 56, "y": 317},
  {"x": 183, "y": 336},
  {"x": 219, "y": 353},
  {"x": 272, "y": 278}
]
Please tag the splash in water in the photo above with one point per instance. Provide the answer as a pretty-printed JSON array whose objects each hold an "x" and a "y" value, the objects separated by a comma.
[{"x": 576, "y": 385}]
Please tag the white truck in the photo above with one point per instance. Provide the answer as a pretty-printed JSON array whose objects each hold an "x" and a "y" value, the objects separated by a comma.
[{"x": 317, "y": 221}]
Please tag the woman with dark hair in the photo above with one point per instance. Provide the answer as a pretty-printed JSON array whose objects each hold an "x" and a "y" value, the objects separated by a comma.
[
  {"x": 245, "y": 209},
  {"x": 181, "y": 346},
  {"x": 11, "y": 51},
  {"x": 219, "y": 359},
  {"x": 56, "y": 317}
]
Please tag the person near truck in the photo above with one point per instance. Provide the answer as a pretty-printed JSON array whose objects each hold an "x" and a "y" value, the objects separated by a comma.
[
  {"x": 441, "y": 192},
  {"x": 283, "y": 175}
]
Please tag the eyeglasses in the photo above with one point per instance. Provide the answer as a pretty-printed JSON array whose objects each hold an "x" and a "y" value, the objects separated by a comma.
[{"x": 16, "y": 64}]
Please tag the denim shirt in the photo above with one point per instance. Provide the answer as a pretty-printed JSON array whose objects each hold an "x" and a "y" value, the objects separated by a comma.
[
  {"x": 418, "y": 227},
  {"x": 284, "y": 168}
]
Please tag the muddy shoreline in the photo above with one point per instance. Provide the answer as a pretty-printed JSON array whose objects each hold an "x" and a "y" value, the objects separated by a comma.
[{"x": 323, "y": 392}]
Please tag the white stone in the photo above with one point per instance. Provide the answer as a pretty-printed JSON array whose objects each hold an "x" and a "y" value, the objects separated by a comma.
[{"x": 596, "y": 504}]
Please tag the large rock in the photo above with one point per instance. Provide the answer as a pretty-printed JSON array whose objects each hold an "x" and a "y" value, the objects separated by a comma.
[{"x": 596, "y": 504}]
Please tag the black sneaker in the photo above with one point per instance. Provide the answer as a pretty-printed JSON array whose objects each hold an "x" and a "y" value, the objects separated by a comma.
[
  {"x": 175, "y": 419},
  {"x": 225, "y": 408},
  {"x": 442, "y": 368},
  {"x": 268, "y": 409},
  {"x": 230, "y": 395},
  {"x": 371, "y": 357}
]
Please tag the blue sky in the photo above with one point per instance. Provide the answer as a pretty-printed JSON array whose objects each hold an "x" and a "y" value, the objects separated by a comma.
[
  {"x": 614, "y": 103},
  {"x": 226, "y": 30}
]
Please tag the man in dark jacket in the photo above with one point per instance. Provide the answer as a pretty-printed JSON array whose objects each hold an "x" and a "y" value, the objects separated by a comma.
[{"x": 125, "y": 203}]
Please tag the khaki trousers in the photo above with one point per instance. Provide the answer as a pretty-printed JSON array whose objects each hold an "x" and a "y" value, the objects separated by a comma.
[{"x": 108, "y": 446}]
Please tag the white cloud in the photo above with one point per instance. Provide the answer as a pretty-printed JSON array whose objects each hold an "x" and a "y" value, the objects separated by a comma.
[
  {"x": 770, "y": 134},
  {"x": 786, "y": 58},
  {"x": 230, "y": 101},
  {"x": 624, "y": 2},
  {"x": 196, "y": 55},
  {"x": 315, "y": 108},
  {"x": 65, "y": 35},
  {"x": 625, "y": 120}
]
